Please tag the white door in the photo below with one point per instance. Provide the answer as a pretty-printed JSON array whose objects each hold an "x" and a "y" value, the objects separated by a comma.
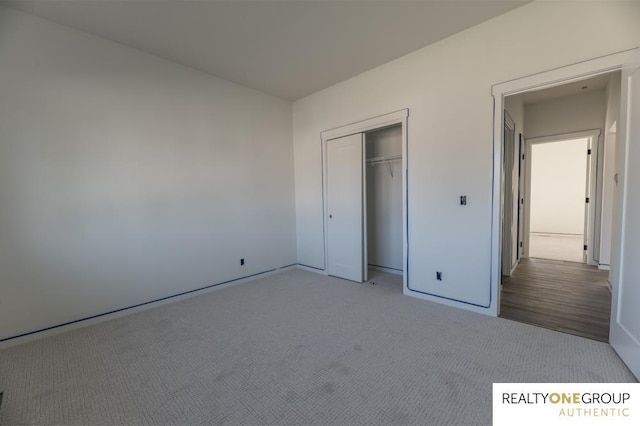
[
  {"x": 521, "y": 196},
  {"x": 508, "y": 230},
  {"x": 345, "y": 213},
  {"x": 625, "y": 274},
  {"x": 589, "y": 208}
]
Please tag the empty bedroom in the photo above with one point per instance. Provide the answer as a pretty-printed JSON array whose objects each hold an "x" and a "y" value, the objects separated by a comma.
[{"x": 297, "y": 212}]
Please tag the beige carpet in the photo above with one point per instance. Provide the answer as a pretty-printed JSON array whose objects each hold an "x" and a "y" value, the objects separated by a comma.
[
  {"x": 293, "y": 348},
  {"x": 556, "y": 246}
]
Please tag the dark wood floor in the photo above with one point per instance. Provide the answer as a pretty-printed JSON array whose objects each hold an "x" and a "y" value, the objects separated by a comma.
[{"x": 564, "y": 296}]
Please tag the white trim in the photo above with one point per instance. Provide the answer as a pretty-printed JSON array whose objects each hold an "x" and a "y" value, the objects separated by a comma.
[
  {"x": 524, "y": 196},
  {"x": 386, "y": 270},
  {"x": 566, "y": 74},
  {"x": 624, "y": 342},
  {"x": 508, "y": 264},
  {"x": 565, "y": 136},
  {"x": 365, "y": 214},
  {"x": 595, "y": 198},
  {"x": 604, "y": 267},
  {"x": 362, "y": 126},
  {"x": 135, "y": 309},
  {"x": 365, "y": 125},
  {"x": 551, "y": 78},
  {"x": 312, "y": 269}
]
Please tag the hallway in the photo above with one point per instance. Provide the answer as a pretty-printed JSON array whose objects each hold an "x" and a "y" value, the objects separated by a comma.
[{"x": 569, "y": 297}]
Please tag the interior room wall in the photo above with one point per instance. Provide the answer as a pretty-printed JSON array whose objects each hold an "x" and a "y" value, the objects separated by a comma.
[
  {"x": 609, "y": 169},
  {"x": 126, "y": 178},
  {"x": 585, "y": 111},
  {"x": 384, "y": 199},
  {"x": 558, "y": 184},
  {"x": 447, "y": 89}
]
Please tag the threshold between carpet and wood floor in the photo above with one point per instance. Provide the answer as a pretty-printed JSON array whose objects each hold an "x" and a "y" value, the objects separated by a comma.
[{"x": 291, "y": 348}]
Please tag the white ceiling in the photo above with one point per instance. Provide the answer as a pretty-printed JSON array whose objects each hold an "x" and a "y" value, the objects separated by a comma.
[
  {"x": 287, "y": 48},
  {"x": 598, "y": 82}
]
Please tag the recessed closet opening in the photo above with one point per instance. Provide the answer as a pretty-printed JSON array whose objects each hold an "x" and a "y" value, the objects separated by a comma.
[
  {"x": 365, "y": 181},
  {"x": 383, "y": 175}
]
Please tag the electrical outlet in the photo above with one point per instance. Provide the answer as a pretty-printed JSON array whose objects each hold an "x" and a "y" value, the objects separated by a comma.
[
  {"x": 439, "y": 276},
  {"x": 463, "y": 200},
  {"x": 242, "y": 262}
]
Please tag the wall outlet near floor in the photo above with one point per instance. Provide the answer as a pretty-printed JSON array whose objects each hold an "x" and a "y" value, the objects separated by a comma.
[
  {"x": 439, "y": 276},
  {"x": 242, "y": 262}
]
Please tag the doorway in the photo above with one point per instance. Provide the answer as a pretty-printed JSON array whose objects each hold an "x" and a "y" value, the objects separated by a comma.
[
  {"x": 383, "y": 206},
  {"x": 562, "y": 187},
  {"x": 610, "y": 169},
  {"x": 624, "y": 331},
  {"x": 364, "y": 167},
  {"x": 557, "y": 186}
]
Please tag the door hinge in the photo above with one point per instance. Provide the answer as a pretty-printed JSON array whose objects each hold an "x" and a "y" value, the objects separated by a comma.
[
  {"x": 587, "y": 200},
  {"x": 585, "y": 247},
  {"x": 522, "y": 201},
  {"x": 589, "y": 152},
  {"x": 520, "y": 244}
]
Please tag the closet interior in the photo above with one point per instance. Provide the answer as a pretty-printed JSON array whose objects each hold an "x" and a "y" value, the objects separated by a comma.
[{"x": 383, "y": 209}]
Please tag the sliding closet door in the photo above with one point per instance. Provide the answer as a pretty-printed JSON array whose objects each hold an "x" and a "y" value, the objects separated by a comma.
[{"x": 345, "y": 215}]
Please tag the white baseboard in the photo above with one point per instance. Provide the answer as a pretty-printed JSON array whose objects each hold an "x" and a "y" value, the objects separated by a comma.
[
  {"x": 84, "y": 322},
  {"x": 603, "y": 266},
  {"x": 514, "y": 266},
  {"x": 311, "y": 269},
  {"x": 387, "y": 270}
]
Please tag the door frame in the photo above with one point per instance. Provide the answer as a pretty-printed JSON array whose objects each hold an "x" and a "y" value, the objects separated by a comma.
[
  {"x": 590, "y": 225},
  {"x": 555, "y": 77},
  {"x": 624, "y": 341},
  {"x": 374, "y": 123},
  {"x": 522, "y": 194},
  {"x": 507, "y": 203}
]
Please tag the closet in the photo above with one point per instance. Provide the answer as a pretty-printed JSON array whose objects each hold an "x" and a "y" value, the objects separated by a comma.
[
  {"x": 384, "y": 199},
  {"x": 364, "y": 203}
]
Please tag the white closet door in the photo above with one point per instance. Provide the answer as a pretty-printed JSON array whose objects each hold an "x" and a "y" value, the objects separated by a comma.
[
  {"x": 345, "y": 214},
  {"x": 624, "y": 334}
]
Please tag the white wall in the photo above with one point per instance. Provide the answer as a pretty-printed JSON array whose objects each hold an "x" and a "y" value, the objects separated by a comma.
[
  {"x": 126, "y": 178},
  {"x": 609, "y": 168},
  {"x": 585, "y": 111},
  {"x": 384, "y": 199},
  {"x": 558, "y": 185},
  {"x": 447, "y": 88}
]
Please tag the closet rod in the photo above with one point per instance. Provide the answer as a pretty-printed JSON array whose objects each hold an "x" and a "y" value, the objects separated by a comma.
[{"x": 380, "y": 160}]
